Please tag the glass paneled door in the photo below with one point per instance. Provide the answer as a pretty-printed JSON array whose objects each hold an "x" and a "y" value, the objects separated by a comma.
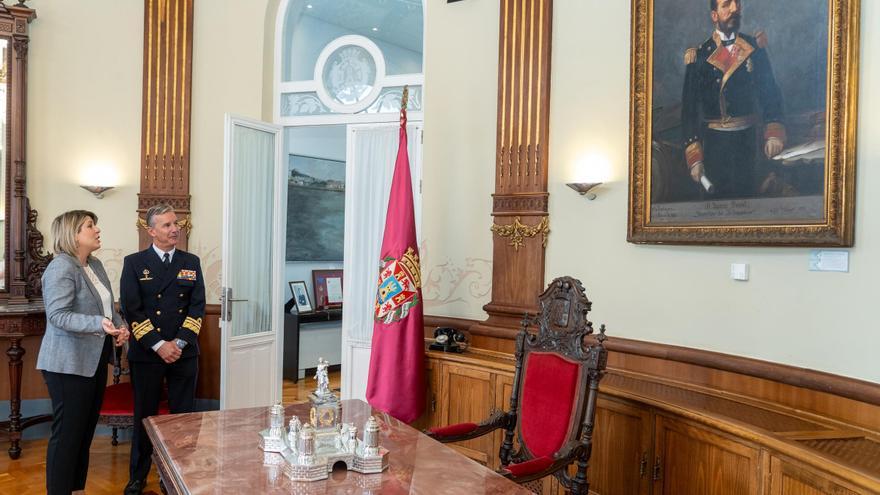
[{"x": 254, "y": 203}]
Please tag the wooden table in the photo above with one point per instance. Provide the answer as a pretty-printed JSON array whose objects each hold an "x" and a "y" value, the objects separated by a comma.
[
  {"x": 217, "y": 452},
  {"x": 16, "y": 323}
]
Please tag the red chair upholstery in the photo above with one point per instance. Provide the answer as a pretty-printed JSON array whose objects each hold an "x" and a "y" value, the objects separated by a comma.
[
  {"x": 117, "y": 408},
  {"x": 555, "y": 388}
]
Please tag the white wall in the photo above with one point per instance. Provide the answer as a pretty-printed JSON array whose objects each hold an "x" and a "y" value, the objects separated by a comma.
[
  {"x": 84, "y": 108},
  {"x": 671, "y": 294},
  {"x": 461, "y": 78},
  {"x": 228, "y": 70},
  {"x": 84, "y": 111},
  {"x": 84, "y": 102}
]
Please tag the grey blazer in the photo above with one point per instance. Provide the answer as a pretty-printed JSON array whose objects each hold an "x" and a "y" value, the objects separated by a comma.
[{"x": 74, "y": 337}]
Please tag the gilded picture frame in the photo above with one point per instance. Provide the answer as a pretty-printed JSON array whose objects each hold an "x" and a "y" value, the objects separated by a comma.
[{"x": 784, "y": 167}]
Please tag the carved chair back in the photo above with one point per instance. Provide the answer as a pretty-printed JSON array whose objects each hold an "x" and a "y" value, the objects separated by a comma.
[{"x": 559, "y": 363}]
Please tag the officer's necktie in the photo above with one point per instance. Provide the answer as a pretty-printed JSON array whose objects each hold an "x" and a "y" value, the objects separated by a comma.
[
  {"x": 728, "y": 42},
  {"x": 166, "y": 260}
]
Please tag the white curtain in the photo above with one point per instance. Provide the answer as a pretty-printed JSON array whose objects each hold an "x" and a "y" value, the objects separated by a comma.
[
  {"x": 250, "y": 217},
  {"x": 372, "y": 150}
]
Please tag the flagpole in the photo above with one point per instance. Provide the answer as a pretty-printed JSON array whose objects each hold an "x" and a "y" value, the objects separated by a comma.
[{"x": 404, "y": 99}]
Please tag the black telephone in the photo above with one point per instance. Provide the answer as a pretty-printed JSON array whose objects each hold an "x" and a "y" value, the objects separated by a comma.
[{"x": 448, "y": 339}]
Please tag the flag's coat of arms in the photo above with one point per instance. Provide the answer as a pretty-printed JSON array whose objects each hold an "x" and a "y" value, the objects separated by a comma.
[{"x": 399, "y": 284}]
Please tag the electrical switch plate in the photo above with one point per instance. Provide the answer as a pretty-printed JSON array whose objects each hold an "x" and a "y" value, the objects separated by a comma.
[
  {"x": 739, "y": 271},
  {"x": 829, "y": 261}
]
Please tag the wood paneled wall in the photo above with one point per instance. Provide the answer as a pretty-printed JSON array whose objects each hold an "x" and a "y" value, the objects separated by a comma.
[
  {"x": 519, "y": 207},
  {"x": 851, "y": 401}
]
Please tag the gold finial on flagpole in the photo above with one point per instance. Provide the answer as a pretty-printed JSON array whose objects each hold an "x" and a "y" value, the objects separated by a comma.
[{"x": 404, "y": 98}]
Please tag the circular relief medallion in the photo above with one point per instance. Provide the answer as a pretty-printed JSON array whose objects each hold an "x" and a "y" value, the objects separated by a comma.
[{"x": 349, "y": 74}]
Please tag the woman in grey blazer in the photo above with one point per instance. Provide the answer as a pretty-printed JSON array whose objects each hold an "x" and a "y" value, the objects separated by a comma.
[{"x": 81, "y": 329}]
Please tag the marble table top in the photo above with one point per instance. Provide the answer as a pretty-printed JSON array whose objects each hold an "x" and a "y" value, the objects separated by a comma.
[{"x": 217, "y": 452}]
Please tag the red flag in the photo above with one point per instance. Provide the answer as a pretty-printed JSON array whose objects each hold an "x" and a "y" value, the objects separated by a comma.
[{"x": 396, "y": 382}]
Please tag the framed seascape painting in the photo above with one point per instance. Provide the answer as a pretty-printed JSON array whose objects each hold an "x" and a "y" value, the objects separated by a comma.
[
  {"x": 743, "y": 122},
  {"x": 315, "y": 208}
]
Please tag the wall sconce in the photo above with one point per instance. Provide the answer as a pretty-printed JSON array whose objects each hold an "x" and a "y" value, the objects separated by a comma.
[
  {"x": 98, "y": 191},
  {"x": 584, "y": 188}
]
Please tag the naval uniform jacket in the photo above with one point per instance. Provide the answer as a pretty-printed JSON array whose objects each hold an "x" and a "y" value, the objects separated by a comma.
[
  {"x": 162, "y": 303},
  {"x": 729, "y": 91}
]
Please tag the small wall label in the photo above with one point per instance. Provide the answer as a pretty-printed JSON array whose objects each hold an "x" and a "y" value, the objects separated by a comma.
[{"x": 829, "y": 261}]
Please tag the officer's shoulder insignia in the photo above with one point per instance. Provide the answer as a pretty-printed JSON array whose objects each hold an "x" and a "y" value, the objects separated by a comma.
[
  {"x": 690, "y": 56},
  {"x": 761, "y": 39}
]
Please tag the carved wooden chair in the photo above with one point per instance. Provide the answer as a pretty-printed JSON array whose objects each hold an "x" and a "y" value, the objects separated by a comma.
[
  {"x": 117, "y": 409},
  {"x": 553, "y": 402}
]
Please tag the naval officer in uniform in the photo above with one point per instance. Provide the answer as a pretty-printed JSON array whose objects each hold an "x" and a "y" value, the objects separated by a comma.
[
  {"x": 729, "y": 94},
  {"x": 162, "y": 294}
]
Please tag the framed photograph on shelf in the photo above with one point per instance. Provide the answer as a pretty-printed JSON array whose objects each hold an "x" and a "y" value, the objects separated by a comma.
[
  {"x": 328, "y": 288},
  {"x": 743, "y": 122},
  {"x": 301, "y": 296}
]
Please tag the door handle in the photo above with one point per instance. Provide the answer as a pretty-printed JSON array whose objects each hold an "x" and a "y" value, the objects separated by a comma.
[
  {"x": 657, "y": 469},
  {"x": 225, "y": 303},
  {"x": 643, "y": 465}
]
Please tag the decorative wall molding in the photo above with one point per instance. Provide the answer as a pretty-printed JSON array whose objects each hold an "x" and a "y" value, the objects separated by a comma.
[
  {"x": 37, "y": 260},
  {"x": 518, "y": 232},
  {"x": 513, "y": 204},
  {"x": 454, "y": 284}
]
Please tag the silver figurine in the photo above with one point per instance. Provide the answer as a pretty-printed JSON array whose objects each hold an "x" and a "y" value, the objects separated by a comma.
[{"x": 310, "y": 450}]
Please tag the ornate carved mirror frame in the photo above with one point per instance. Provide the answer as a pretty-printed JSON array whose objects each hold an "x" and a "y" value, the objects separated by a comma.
[{"x": 23, "y": 261}]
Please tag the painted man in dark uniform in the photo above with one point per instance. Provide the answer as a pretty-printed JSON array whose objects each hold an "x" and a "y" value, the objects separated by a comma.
[
  {"x": 729, "y": 95},
  {"x": 162, "y": 294}
]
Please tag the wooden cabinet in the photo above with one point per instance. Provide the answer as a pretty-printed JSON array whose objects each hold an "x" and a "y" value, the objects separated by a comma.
[
  {"x": 791, "y": 478},
  {"x": 695, "y": 460},
  {"x": 622, "y": 460},
  {"x": 640, "y": 452},
  {"x": 470, "y": 396},
  {"x": 461, "y": 392}
]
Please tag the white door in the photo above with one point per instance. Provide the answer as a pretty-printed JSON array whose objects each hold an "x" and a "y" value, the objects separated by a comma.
[
  {"x": 371, "y": 150},
  {"x": 252, "y": 308}
]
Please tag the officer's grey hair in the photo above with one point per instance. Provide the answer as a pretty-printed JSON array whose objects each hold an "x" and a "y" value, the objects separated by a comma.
[
  {"x": 159, "y": 209},
  {"x": 66, "y": 226}
]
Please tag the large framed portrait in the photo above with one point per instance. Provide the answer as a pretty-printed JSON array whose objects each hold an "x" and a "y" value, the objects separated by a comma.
[{"x": 743, "y": 122}]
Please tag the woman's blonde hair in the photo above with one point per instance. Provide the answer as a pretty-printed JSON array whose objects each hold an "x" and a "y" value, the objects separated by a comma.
[{"x": 66, "y": 226}]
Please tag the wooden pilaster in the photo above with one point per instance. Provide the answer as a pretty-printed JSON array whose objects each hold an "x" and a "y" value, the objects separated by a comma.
[
  {"x": 521, "y": 221},
  {"x": 167, "y": 103}
]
